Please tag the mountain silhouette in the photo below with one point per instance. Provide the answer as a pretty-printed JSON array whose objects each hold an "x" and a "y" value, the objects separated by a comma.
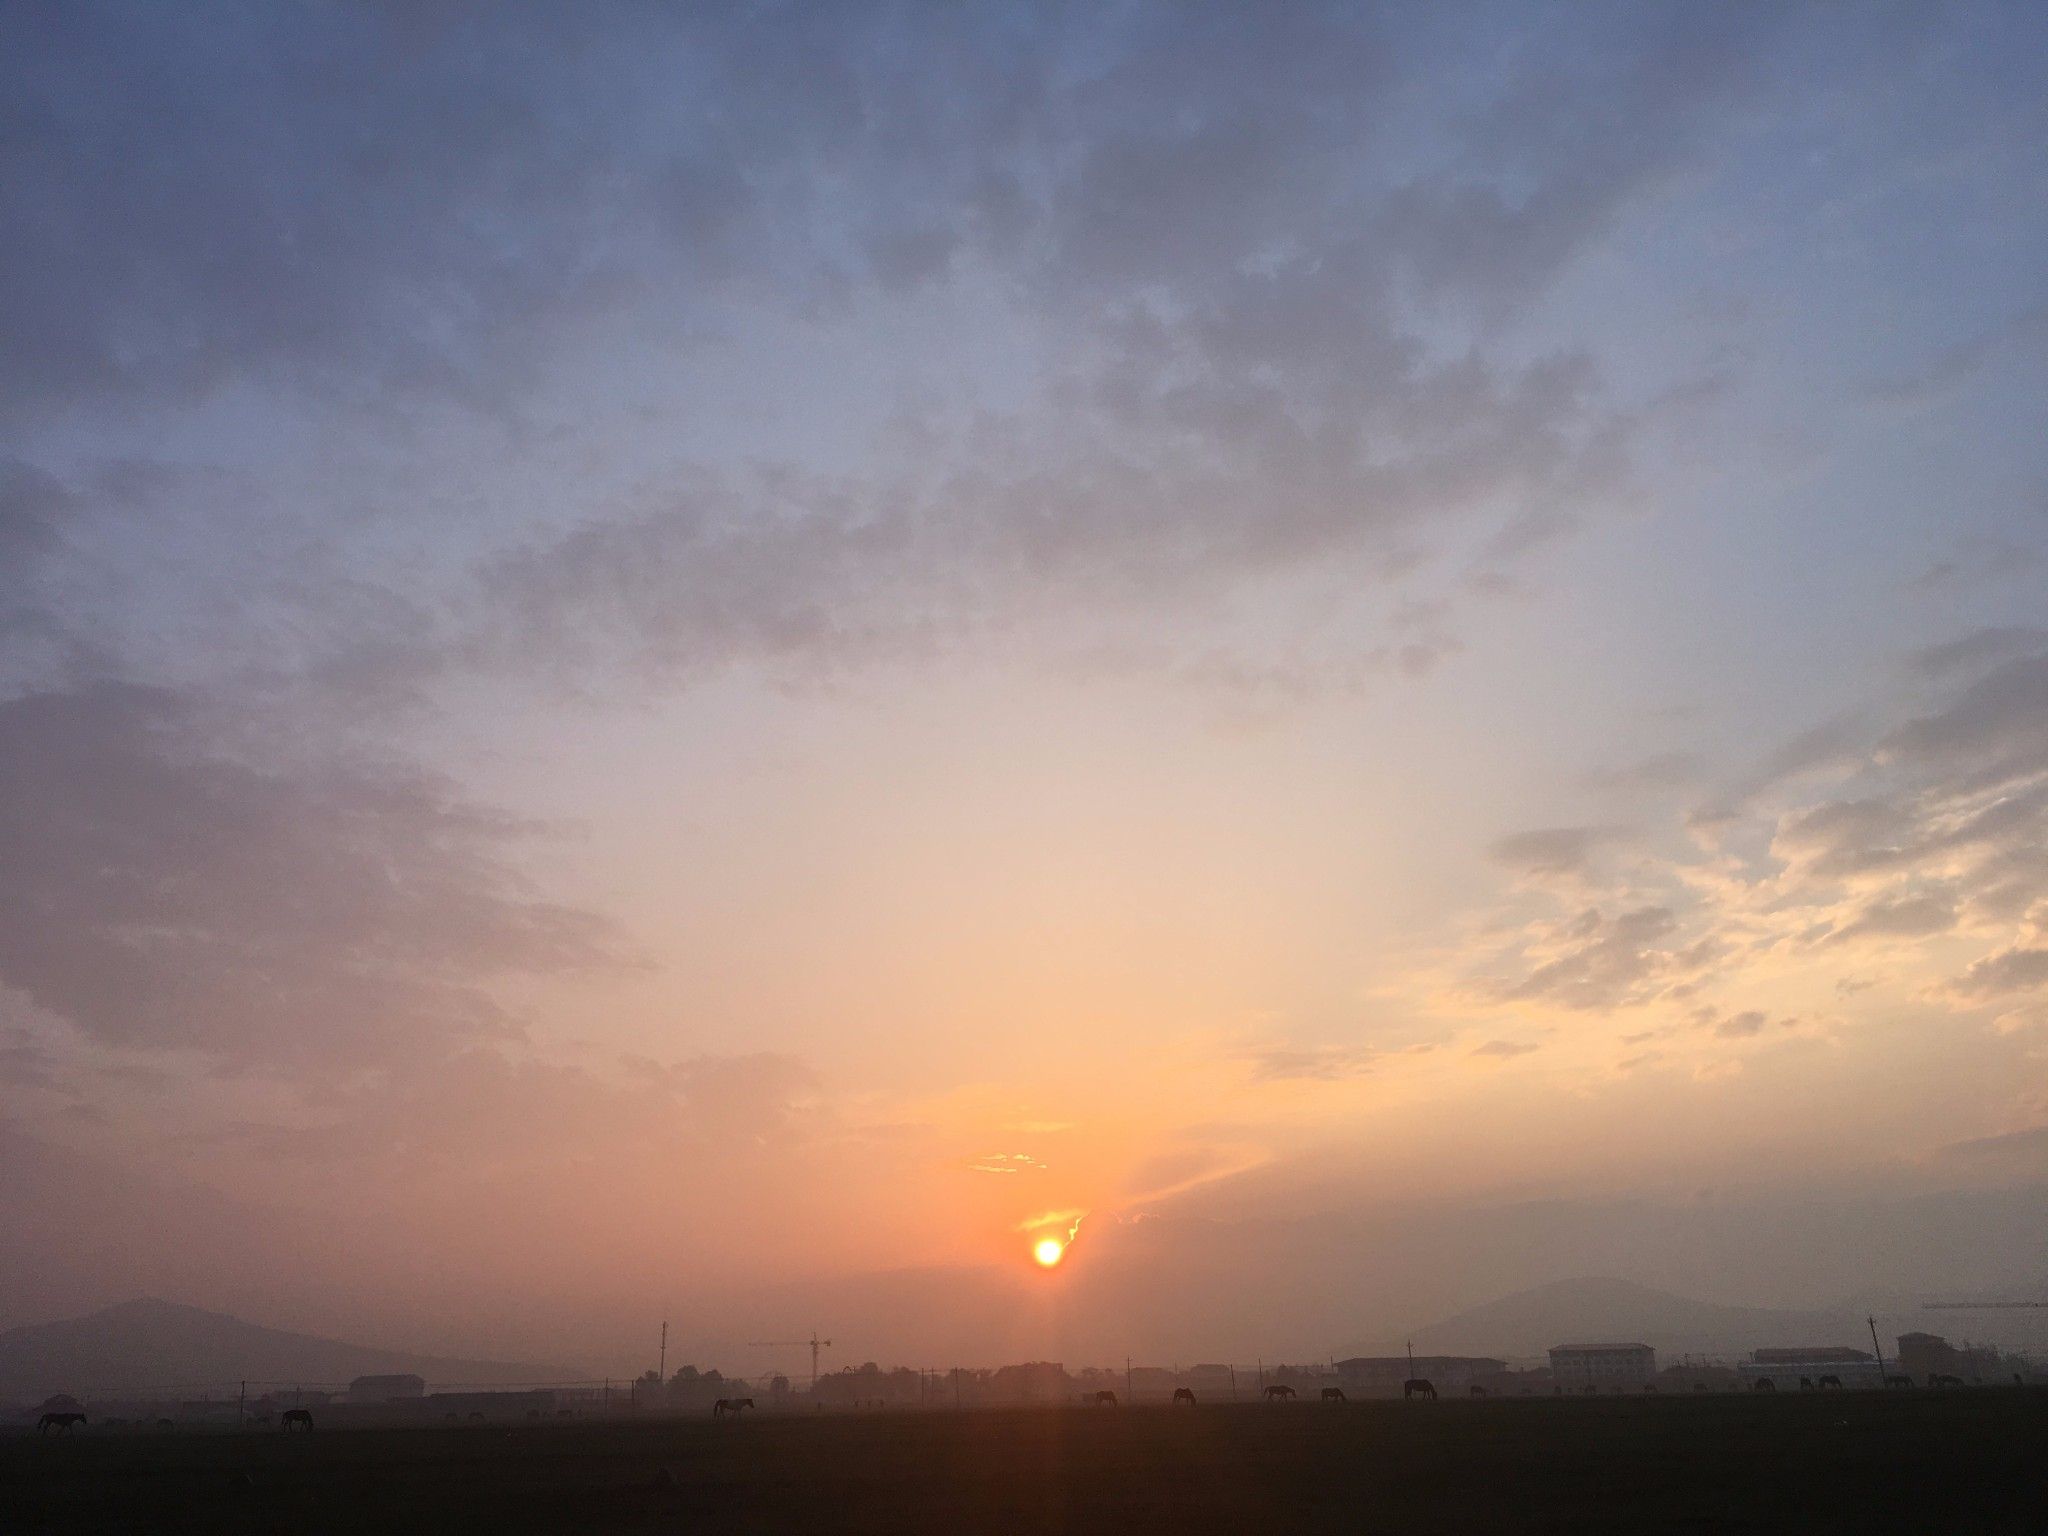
[
  {"x": 1597, "y": 1308},
  {"x": 156, "y": 1345}
]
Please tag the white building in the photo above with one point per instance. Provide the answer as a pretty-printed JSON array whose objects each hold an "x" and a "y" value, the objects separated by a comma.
[{"x": 1611, "y": 1367}]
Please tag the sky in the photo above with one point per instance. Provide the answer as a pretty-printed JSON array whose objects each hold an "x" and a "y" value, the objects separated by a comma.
[{"x": 727, "y": 662}]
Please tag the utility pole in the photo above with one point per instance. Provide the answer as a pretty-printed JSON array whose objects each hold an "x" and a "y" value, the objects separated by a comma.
[
  {"x": 663, "y": 1372},
  {"x": 1878, "y": 1347}
]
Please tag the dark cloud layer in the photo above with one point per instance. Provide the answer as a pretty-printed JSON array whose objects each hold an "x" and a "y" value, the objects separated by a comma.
[
  {"x": 157, "y": 892},
  {"x": 1226, "y": 269}
]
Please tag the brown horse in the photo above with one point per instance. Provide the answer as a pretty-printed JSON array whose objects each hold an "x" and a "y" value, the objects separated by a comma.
[
  {"x": 730, "y": 1405},
  {"x": 297, "y": 1418},
  {"x": 1418, "y": 1386},
  {"x": 1103, "y": 1400},
  {"x": 63, "y": 1423},
  {"x": 1184, "y": 1395},
  {"x": 1277, "y": 1390},
  {"x": 1334, "y": 1395}
]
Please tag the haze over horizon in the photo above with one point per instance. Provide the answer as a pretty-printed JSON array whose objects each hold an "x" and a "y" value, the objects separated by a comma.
[{"x": 729, "y": 663}]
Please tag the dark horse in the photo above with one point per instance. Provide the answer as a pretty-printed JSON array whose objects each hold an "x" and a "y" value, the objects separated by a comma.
[
  {"x": 297, "y": 1418},
  {"x": 63, "y": 1423},
  {"x": 1184, "y": 1395},
  {"x": 1104, "y": 1400},
  {"x": 1334, "y": 1395},
  {"x": 1278, "y": 1390},
  {"x": 731, "y": 1405},
  {"x": 1418, "y": 1386}
]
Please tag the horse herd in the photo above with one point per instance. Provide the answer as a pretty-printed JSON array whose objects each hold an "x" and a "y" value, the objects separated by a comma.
[
  {"x": 1280, "y": 1392},
  {"x": 731, "y": 1407},
  {"x": 1274, "y": 1392}
]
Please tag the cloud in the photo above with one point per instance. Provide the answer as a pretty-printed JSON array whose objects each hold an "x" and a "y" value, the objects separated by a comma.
[
  {"x": 1328, "y": 1063},
  {"x": 1219, "y": 376},
  {"x": 1741, "y": 1026},
  {"x": 1951, "y": 370},
  {"x": 1503, "y": 1049},
  {"x": 1998, "y": 726},
  {"x": 2025, "y": 1150},
  {"x": 1855, "y": 833},
  {"x": 158, "y": 892},
  {"x": 2013, "y": 970},
  {"x": 1552, "y": 850},
  {"x": 1979, "y": 648},
  {"x": 1594, "y": 961},
  {"x": 1661, "y": 770},
  {"x": 1905, "y": 917}
]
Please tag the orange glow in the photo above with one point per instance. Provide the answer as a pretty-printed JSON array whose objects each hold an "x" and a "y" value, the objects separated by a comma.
[{"x": 1048, "y": 1251}]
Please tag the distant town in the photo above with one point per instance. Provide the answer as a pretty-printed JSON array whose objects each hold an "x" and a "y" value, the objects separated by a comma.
[{"x": 1919, "y": 1360}]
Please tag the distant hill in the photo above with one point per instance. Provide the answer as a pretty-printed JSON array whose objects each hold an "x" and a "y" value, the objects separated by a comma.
[
  {"x": 1596, "y": 1309},
  {"x": 159, "y": 1344}
]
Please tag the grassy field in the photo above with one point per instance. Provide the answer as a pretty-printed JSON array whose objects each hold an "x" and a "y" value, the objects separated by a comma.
[{"x": 1924, "y": 1462}]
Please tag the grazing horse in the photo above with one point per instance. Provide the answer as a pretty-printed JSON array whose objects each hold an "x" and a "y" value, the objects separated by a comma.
[
  {"x": 63, "y": 1423},
  {"x": 1418, "y": 1386},
  {"x": 297, "y": 1418},
  {"x": 1334, "y": 1395},
  {"x": 1184, "y": 1395},
  {"x": 1103, "y": 1400},
  {"x": 1277, "y": 1390},
  {"x": 730, "y": 1405},
  {"x": 1829, "y": 1384}
]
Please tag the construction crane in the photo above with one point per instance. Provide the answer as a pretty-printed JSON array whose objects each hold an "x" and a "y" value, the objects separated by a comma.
[
  {"x": 813, "y": 1342},
  {"x": 1984, "y": 1306}
]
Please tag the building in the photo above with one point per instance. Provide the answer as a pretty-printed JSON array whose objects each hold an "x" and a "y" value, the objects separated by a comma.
[
  {"x": 386, "y": 1389},
  {"x": 1603, "y": 1367},
  {"x": 1922, "y": 1355},
  {"x": 1785, "y": 1369},
  {"x": 1369, "y": 1374}
]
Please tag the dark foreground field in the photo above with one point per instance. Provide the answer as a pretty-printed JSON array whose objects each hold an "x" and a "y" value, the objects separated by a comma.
[{"x": 1923, "y": 1462}]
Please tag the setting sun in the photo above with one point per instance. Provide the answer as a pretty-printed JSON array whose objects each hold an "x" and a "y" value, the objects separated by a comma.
[{"x": 1048, "y": 1251}]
